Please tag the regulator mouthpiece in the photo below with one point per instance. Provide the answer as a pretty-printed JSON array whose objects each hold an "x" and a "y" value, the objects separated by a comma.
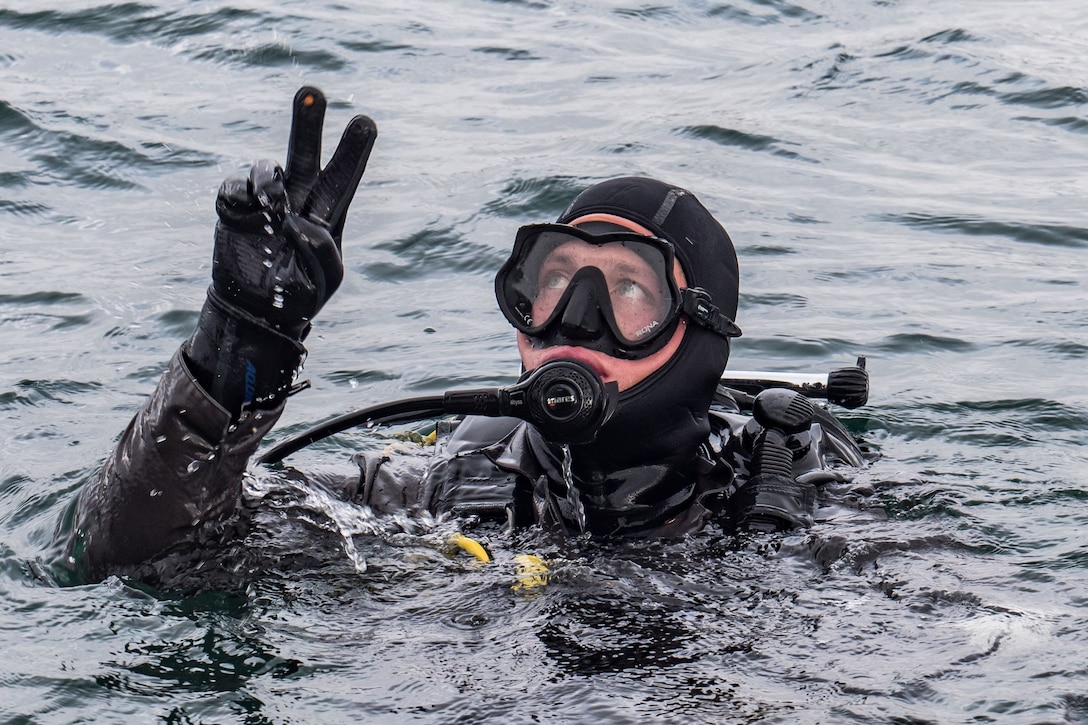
[{"x": 564, "y": 399}]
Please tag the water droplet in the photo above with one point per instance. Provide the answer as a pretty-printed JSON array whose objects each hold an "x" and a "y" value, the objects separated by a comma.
[
  {"x": 193, "y": 467},
  {"x": 573, "y": 497},
  {"x": 155, "y": 492}
]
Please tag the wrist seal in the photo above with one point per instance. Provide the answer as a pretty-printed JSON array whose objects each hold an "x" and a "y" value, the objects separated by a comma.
[{"x": 239, "y": 359}]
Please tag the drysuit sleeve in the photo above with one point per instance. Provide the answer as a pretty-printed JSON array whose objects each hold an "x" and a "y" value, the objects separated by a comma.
[{"x": 177, "y": 469}]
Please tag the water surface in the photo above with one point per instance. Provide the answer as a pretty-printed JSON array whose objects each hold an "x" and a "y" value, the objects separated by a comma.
[{"x": 902, "y": 180}]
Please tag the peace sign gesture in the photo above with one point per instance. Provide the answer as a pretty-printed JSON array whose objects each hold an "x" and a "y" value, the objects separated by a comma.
[{"x": 278, "y": 253}]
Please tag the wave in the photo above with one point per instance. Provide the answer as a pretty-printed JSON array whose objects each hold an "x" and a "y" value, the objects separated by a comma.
[
  {"x": 141, "y": 23},
  {"x": 535, "y": 197},
  {"x": 33, "y": 393},
  {"x": 81, "y": 159},
  {"x": 431, "y": 252},
  {"x": 741, "y": 139},
  {"x": 135, "y": 22},
  {"x": 1051, "y": 235}
]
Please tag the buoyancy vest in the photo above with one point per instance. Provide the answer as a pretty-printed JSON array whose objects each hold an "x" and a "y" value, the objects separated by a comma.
[{"x": 501, "y": 469}]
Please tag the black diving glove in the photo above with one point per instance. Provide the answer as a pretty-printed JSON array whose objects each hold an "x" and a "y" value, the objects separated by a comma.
[{"x": 277, "y": 260}]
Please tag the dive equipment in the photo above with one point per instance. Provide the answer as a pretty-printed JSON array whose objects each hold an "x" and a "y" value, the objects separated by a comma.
[
  {"x": 571, "y": 404},
  {"x": 564, "y": 399},
  {"x": 470, "y": 546},
  {"x": 847, "y": 387},
  {"x": 772, "y": 498},
  {"x": 613, "y": 292}
]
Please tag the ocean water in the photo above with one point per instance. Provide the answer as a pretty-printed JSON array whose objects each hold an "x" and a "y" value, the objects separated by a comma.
[{"x": 903, "y": 180}]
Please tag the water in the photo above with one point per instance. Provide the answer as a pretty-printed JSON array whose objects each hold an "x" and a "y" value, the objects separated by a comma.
[{"x": 902, "y": 180}]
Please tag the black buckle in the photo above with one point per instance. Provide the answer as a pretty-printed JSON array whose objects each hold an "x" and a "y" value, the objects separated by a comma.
[{"x": 697, "y": 306}]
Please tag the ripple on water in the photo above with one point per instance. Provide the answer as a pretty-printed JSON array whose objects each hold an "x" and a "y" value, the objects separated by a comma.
[
  {"x": 787, "y": 348},
  {"x": 34, "y": 393},
  {"x": 777, "y": 12},
  {"x": 85, "y": 160},
  {"x": 1073, "y": 124},
  {"x": 136, "y": 22},
  {"x": 15, "y": 179},
  {"x": 35, "y": 310},
  {"x": 1017, "y": 425},
  {"x": 1061, "y": 348},
  {"x": 273, "y": 55},
  {"x": 430, "y": 253},
  {"x": 923, "y": 342},
  {"x": 1052, "y": 235},
  {"x": 741, "y": 139},
  {"x": 778, "y": 301},
  {"x": 532, "y": 198}
]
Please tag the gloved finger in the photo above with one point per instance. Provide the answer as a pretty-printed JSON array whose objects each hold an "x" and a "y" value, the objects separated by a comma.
[
  {"x": 234, "y": 195},
  {"x": 266, "y": 186},
  {"x": 335, "y": 187},
  {"x": 304, "y": 146},
  {"x": 319, "y": 254},
  {"x": 237, "y": 205}
]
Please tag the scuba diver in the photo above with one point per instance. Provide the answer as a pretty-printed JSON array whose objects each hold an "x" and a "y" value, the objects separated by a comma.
[{"x": 624, "y": 309}]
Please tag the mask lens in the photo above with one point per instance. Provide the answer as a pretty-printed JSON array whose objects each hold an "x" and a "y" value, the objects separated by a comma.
[{"x": 630, "y": 277}]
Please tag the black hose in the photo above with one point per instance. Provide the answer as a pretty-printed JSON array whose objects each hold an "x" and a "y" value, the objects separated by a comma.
[{"x": 399, "y": 411}]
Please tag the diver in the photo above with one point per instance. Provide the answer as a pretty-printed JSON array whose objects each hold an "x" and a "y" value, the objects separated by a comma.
[{"x": 634, "y": 287}]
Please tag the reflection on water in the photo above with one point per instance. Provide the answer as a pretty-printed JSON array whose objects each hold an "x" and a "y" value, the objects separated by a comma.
[{"x": 901, "y": 180}]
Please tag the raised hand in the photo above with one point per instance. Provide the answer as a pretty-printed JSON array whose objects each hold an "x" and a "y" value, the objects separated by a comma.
[
  {"x": 278, "y": 252},
  {"x": 277, "y": 260}
]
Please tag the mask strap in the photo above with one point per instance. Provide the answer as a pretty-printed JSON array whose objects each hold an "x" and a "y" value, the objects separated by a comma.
[{"x": 697, "y": 306}]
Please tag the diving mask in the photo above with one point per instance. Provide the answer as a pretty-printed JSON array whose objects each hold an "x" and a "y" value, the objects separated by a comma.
[{"x": 613, "y": 292}]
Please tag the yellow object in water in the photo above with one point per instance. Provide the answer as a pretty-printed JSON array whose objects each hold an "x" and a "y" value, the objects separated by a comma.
[
  {"x": 471, "y": 546},
  {"x": 532, "y": 573}
]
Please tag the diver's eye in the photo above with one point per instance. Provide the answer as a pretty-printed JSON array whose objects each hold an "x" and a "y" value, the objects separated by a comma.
[
  {"x": 630, "y": 290},
  {"x": 554, "y": 281}
]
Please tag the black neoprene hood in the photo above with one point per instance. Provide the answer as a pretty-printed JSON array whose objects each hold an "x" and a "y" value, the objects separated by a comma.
[{"x": 663, "y": 419}]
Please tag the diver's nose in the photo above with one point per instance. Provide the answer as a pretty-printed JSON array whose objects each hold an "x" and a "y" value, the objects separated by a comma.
[{"x": 582, "y": 318}]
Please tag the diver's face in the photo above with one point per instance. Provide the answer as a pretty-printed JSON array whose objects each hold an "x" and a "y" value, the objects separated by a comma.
[{"x": 630, "y": 283}]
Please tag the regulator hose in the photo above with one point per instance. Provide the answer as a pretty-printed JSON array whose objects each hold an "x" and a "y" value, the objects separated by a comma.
[{"x": 565, "y": 399}]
